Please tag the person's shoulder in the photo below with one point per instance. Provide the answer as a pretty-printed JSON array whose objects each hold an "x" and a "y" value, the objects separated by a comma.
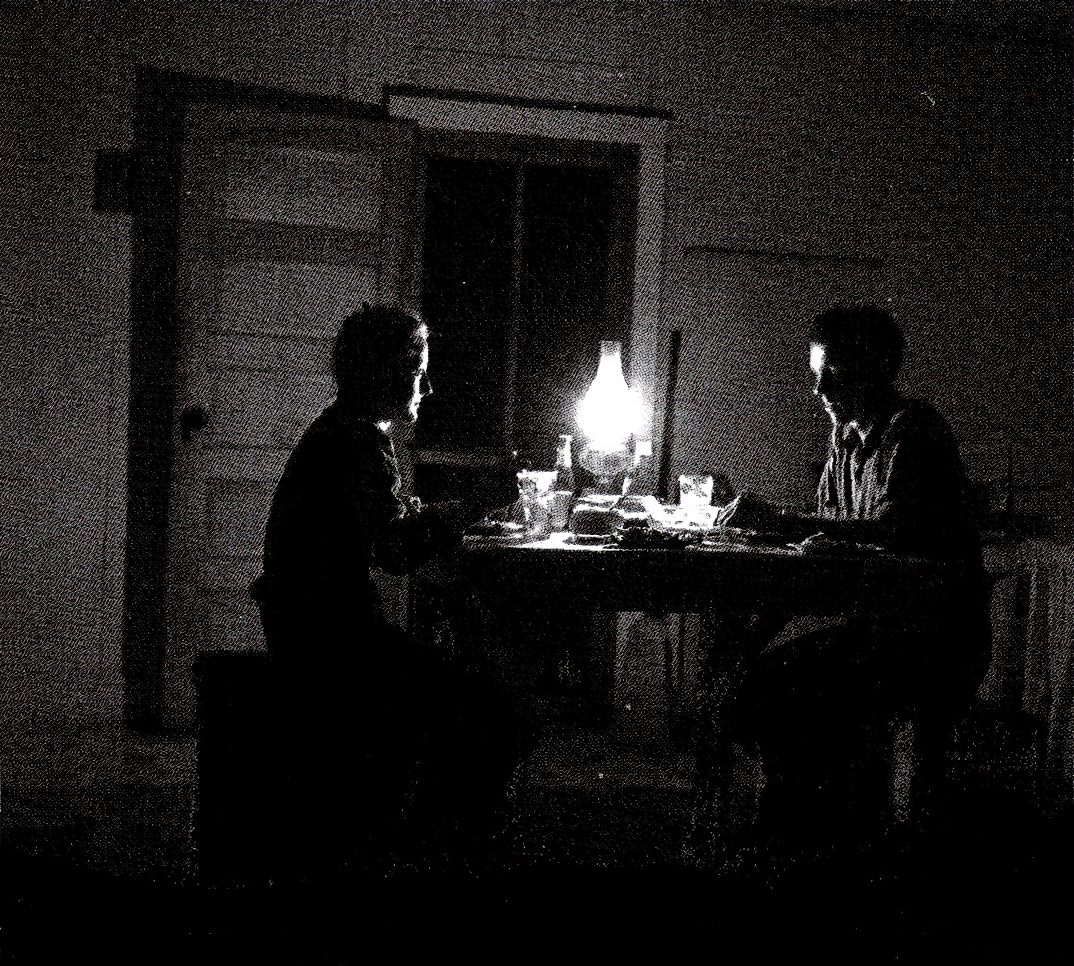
[
  {"x": 321, "y": 430},
  {"x": 918, "y": 414},
  {"x": 335, "y": 443},
  {"x": 323, "y": 441},
  {"x": 919, "y": 420},
  {"x": 334, "y": 426}
]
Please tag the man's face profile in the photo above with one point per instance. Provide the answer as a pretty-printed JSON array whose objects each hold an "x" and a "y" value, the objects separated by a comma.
[
  {"x": 838, "y": 386},
  {"x": 417, "y": 386}
]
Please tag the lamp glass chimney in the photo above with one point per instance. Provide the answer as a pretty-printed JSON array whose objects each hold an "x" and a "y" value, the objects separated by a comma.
[{"x": 610, "y": 411}]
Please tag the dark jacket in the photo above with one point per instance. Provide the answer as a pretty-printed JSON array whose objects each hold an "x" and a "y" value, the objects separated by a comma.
[{"x": 336, "y": 514}]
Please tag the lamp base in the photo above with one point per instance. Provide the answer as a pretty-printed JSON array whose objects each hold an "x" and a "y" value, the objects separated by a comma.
[
  {"x": 593, "y": 516},
  {"x": 605, "y": 465}
]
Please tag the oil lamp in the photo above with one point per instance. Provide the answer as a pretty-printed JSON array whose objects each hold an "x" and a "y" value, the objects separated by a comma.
[{"x": 609, "y": 414}]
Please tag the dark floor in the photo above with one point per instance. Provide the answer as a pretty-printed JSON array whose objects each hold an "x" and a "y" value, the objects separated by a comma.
[{"x": 92, "y": 862}]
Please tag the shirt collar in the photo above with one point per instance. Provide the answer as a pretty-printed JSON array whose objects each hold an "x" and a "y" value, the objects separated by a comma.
[{"x": 869, "y": 439}]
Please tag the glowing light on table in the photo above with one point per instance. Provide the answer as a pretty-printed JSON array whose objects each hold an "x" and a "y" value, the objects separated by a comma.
[{"x": 608, "y": 415}]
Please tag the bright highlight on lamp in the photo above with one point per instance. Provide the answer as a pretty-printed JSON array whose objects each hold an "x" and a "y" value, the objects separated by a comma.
[{"x": 608, "y": 415}]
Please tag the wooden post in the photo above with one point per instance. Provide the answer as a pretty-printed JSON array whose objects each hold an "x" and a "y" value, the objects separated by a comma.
[{"x": 663, "y": 483}]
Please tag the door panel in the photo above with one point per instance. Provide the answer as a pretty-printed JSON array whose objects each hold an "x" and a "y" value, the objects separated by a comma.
[
  {"x": 289, "y": 222},
  {"x": 297, "y": 185}
]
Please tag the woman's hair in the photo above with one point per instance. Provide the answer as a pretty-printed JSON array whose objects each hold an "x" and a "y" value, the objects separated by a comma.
[
  {"x": 376, "y": 349},
  {"x": 865, "y": 337}
]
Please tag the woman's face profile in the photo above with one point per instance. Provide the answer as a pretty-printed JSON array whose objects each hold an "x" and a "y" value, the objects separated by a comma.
[{"x": 383, "y": 375}]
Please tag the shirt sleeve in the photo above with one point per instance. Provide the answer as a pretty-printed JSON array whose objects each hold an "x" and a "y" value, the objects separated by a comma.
[
  {"x": 412, "y": 538},
  {"x": 827, "y": 488}
]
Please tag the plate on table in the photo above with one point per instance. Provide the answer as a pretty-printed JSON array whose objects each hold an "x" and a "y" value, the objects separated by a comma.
[{"x": 590, "y": 539}]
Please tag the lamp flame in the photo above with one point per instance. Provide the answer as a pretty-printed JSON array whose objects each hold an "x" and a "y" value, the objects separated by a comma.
[{"x": 610, "y": 412}]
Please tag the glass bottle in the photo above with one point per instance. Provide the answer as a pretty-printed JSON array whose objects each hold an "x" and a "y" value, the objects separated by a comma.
[
  {"x": 564, "y": 466},
  {"x": 563, "y": 488}
]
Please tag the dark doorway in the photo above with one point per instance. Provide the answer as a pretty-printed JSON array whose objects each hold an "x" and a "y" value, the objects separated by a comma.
[{"x": 466, "y": 299}]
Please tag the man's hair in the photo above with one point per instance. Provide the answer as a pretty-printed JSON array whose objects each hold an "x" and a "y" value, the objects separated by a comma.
[
  {"x": 865, "y": 337},
  {"x": 373, "y": 345}
]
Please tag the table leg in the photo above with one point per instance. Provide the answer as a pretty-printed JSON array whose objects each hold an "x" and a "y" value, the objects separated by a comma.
[
  {"x": 561, "y": 659},
  {"x": 725, "y": 640}
]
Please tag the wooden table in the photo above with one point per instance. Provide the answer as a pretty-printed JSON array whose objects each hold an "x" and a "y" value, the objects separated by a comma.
[{"x": 733, "y": 586}]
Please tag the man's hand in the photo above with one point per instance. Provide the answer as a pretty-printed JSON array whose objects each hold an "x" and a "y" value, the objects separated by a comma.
[{"x": 747, "y": 511}]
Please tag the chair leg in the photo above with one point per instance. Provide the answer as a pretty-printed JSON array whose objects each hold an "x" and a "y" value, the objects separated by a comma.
[
  {"x": 918, "y": 777},
  {"x": 902, "y": 773}
]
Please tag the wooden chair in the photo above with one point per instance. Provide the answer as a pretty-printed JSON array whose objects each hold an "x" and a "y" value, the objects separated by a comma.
[{"x": 239, "y": 774}]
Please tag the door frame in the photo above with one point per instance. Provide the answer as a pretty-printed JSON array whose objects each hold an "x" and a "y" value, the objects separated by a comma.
[{"x": 154, "y": 194}]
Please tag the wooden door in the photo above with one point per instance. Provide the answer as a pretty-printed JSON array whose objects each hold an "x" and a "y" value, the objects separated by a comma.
[{"x": 289, "y": 221}]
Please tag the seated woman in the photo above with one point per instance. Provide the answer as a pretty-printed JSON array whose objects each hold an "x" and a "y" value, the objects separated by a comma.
[{"x": 395, "y": 753}]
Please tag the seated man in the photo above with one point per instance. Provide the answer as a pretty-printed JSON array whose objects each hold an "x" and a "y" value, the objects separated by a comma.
[{"x": 893, "y": 477}]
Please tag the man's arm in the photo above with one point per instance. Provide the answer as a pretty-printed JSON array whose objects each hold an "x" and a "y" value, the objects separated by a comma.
[
  {"x": 408, "y": 533},
  {"x": 752, "y": 512},
  {"x": 798, "y": 526}
]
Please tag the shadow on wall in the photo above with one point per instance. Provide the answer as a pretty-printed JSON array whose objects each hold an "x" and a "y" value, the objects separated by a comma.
[{"x": 745, "y": 405}]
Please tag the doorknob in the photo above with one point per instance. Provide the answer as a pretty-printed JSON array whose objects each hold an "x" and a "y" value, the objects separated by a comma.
[{"x": 192, "y": 420}]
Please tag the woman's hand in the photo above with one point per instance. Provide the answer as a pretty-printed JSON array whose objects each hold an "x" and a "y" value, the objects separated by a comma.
[
  {"x": 494, "y": 497},
  {"x": 503, "y": 489}
]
